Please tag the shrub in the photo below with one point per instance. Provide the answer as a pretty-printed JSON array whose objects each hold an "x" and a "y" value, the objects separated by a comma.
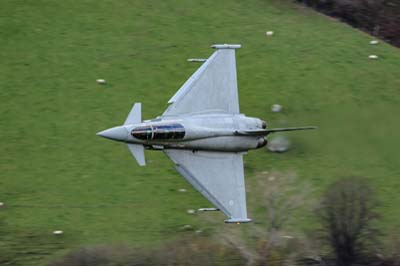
[{"x": 348, "y": 217}]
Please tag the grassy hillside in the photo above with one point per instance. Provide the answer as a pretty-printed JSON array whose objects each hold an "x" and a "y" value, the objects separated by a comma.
[{"x": 56, "y": 174}]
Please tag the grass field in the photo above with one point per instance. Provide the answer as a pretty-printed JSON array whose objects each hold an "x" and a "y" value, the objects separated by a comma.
[{"x": 56, "y": 174}]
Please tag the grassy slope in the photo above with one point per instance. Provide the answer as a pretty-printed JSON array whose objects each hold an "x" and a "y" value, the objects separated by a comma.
[{"x": 51, "y": 53}]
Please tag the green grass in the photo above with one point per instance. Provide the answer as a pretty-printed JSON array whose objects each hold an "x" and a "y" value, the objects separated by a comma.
[{"x": 56, "y": 174}]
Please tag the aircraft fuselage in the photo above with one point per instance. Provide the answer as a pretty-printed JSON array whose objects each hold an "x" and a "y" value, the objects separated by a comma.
[{"x": 213, "y": 132}]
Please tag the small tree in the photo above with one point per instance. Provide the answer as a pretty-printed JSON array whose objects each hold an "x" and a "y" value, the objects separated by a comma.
[
  {"x": 280, "y": 194},
  {"x": 348, "y": 214}
]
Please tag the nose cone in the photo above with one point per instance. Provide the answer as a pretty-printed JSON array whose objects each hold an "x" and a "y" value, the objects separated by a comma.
[{"x": 115, "y": 133}]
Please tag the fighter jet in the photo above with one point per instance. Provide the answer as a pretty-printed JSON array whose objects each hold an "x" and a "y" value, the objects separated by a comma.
[{"x": 203, "y": 133}]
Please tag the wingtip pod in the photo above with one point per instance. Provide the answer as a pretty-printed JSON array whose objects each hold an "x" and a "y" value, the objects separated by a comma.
[
  {"x": 226, "y": 46},
  {"x": 238, "y": 220}
]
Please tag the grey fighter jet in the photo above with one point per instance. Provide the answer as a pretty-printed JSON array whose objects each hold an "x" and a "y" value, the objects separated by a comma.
[{"x": 203, "y": 133}]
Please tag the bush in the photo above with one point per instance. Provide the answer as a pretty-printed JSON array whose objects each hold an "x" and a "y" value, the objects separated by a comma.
[
  {"x": 348, "y": 219},
  {"x": 378, "y": 17},
  {"x": 189, "y": 250}
]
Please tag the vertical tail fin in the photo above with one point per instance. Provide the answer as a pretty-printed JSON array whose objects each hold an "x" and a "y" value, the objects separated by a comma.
[{"x": 135, "y": 115}]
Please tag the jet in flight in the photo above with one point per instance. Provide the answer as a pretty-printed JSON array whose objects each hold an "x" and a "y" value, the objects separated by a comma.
[{"x": 203, "y": 133}]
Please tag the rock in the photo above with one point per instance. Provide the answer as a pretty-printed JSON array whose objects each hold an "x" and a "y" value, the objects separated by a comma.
[
  {"x": 187, "y": 227},
  {"x": 2, "y": 204},
  {"x": 58, "y": 232},
  {"x": 276, "y": 108},
  {"x": 373, "y": 42},
  {"x": 182, "y": 190},
  {"x": 191, "y": 211},
  {"x": 101, "y": 81},
  {"x": 269, "y": 33},
  {"x": 373, "y": 57},
  {"x": 278, "y": 144}
]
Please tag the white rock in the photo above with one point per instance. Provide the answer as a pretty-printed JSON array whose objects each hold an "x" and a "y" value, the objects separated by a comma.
[
  {"x": 191, "y": 211},
  {"x": 373, "y": 42},
  {"x": 187, "y": 227},
  {"x": 101, "y": 81},
  {"x": 58, "y": 232},
  {"x": 278, "y": 144},
  {"x": 373, "y": 57},
  {"x": 276, "y": 108},
  {"x": 199, "y": 231},
  {"x": 182, "y": 190},
  {"x": 1, "y": 204},
  {"x": 269, "y": 33}
]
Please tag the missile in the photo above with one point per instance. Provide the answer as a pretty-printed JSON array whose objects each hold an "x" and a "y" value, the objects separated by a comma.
[
  {"x": 196, "y": 60},
  {"x": 208, "y": 209}
]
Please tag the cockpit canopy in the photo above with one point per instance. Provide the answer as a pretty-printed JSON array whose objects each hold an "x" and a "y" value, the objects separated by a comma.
[{"x": 159, "y": 132}]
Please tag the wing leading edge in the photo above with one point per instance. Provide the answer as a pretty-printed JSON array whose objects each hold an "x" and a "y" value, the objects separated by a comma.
[
  {"x": 218, "y": 176},
  {"x": 213, "y": 87}
]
